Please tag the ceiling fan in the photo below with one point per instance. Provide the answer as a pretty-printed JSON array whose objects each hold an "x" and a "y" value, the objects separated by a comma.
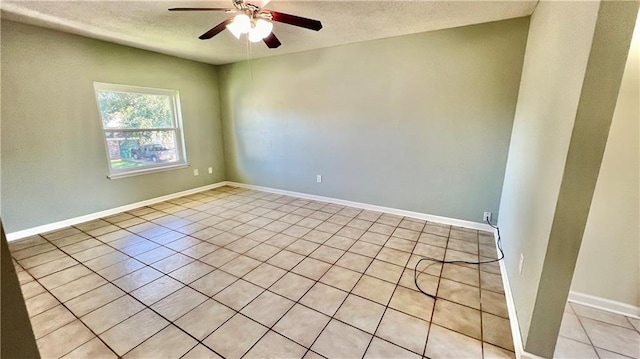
[{"x": 253, "y": 21}]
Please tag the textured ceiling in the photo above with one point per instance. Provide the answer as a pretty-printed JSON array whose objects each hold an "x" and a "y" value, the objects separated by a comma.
[{"x": 148, "y": 24}]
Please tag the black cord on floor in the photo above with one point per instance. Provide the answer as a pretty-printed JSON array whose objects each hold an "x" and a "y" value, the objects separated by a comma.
[{"x": 415, "y": 272}]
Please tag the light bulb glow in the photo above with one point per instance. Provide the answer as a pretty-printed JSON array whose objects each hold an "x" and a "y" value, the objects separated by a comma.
[
  {"x": 242, "y": 22},
  {"x": 255, "y": 35},
  {"x": 255, "y": 30},
  {"x": 234, "y": 29},
  {"x": 263, "y": 27}
]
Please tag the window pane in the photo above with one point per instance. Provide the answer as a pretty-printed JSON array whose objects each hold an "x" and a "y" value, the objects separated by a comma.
[
  {"x": 129, "y": 110},
  {"x": 128, "y": 150}
]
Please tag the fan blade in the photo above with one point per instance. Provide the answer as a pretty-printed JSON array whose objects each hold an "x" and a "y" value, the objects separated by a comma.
[
  {"x": 272, "y": 41},
  {"x": 296, "y": 20},
  {"x": 216, "y": 30},
  {"x": 200, "y": 9}
]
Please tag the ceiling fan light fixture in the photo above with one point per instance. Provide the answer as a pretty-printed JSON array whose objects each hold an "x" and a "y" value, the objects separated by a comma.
[
  {"x": 242, "y": 23},
  {"x": 233, "y": 28},
  {"x": 261, "y": 30},
  {"x": 264, "y": 27},
  {"x": 254, "y": 35},
  {"x": 254, "y": 21}
]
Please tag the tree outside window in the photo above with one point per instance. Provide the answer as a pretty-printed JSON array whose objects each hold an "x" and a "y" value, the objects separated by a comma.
[{"x": 142, "y": 128}]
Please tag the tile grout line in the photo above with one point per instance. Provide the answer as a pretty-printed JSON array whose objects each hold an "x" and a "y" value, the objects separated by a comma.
[
  {"x": 198, "y": 342},
  {"x": 94, "y": 272},
  {"x": 211, "y": 298},
  {"x": 354, "y": 285},
  {"x": 607, "y": 323},
  {"x": 180, "y": 252},
  {"x": 279, "y": 278},
  {"x": 238, "y": 278},
  {"x": 350, "y": 292},
  {"x": 295, "y": 273},
  {"x": 171, "y": 323},
  {"x": 482, "y": 343},
  {"x": 122, "y": 321},
  {"x": 76, "y": 318},
  {"x": 585, "y": 332},
  {"x": 243, "y": 253},
  {"x": 315, "y": 282},
  {"x": 446, "y": 247},
  {"x": 301, "y": 304},
  {"x": 126, "y": 294},
  {"x": 290, "y": 271},
  {"x": 396, "y": 285},
  {"x": 393, "y": 293}
]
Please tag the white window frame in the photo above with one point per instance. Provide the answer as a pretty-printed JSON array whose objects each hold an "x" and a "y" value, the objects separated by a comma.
[{"x": 180, "y": 149}]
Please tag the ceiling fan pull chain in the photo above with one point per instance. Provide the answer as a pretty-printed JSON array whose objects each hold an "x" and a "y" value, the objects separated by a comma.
[{"x": 249, "y": 64}]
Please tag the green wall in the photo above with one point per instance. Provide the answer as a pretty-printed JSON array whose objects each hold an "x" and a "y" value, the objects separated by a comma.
[
  {"x": 573, "y": 66},
  {"x": 549, "y": 94},
  {"x": 611, "y": 243},
  {"x": 53, "y": 156},
  {"x": 419, "y": 122}
]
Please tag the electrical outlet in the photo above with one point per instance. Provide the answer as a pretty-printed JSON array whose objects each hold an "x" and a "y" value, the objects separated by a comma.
[
  {"x": 521, "y": 264},
  {"x": 195, "y": 172},
  {"x": 486, "y": 217},
  {"x": 319, "y": 178},
  {"x": 210, "y": 170}
]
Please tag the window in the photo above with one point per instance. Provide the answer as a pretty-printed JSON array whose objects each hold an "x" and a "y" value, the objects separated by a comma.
[{"x": 142, "y": 129}]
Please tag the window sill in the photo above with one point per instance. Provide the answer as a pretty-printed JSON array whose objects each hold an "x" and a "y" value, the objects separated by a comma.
[{"x": 147, "y": 171}]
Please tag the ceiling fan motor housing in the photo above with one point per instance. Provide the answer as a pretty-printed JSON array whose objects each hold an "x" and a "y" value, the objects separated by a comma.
[{"x": 260, "y": 22}]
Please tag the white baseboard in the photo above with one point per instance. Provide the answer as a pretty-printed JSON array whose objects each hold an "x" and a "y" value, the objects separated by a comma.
[
  {"x": 89, "y": 217},
  {"x": 399, "y": 212},
  {"x": 513, "y": 318},
  {"x": 518, "y": 345},
  {"x": 605, "y": 304},
  {"x": 511, "y": 309},
  {"x": 574, "y": 297}
]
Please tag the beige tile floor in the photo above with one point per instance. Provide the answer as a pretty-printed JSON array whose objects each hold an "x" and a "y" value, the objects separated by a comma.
[
  {"x": 238, "y": 273},
  {"x": 587, "y": 333}
]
